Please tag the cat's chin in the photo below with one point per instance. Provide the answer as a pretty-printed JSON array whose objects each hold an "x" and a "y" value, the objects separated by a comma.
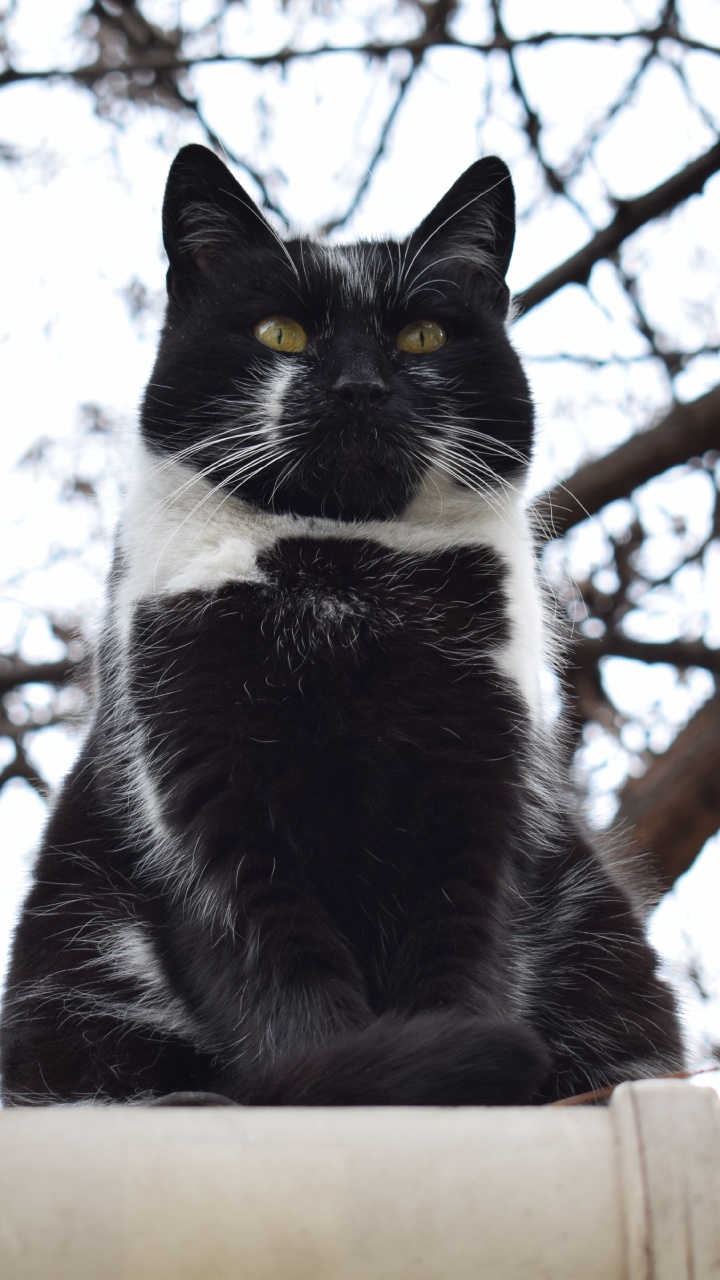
[
  {"x": 352, "y": 495},
  {"x": 352, "y": 507}
]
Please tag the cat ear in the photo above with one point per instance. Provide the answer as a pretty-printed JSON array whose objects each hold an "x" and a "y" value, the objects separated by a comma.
[
  {"x": 204, "y": 211},
  {"x": 474, "y": 221}
]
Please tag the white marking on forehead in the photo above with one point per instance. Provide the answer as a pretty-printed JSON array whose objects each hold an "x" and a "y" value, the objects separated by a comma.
[{"x": 358, "y": 279}]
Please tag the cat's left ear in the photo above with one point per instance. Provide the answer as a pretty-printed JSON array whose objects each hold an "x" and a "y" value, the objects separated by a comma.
[
  {"x": 474, "y": 223},
  {"x": 205, "y": 211}
]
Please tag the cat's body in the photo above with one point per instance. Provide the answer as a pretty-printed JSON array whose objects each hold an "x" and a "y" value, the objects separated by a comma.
[{"x": 318, "y": 847}]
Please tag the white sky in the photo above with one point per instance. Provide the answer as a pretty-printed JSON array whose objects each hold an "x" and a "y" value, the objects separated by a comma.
[{"x": 81, "y": 221}]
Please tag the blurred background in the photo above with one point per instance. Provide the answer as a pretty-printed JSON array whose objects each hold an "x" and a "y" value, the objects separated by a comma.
[{"x": 352, "y": 117}]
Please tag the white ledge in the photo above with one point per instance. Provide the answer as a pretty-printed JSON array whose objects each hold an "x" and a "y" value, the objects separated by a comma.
[{"x": 630, "y": 1192}]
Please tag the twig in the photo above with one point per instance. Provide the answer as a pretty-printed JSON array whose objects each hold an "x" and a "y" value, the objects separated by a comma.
[
  {"x": 405, "y": 82},
  {"x": 630, "y": 216},
  {"x": 15, "y": 672},
  {"x": 688, "y": 430}
]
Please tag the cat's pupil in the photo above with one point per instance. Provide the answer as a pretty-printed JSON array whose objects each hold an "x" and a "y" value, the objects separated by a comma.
[{"x": 281, "y": 333}]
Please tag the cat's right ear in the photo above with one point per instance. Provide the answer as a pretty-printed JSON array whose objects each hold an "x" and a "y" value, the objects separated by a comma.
[
  {"x": 474, "y": 224},
  {"x": 205, "y": 211}
]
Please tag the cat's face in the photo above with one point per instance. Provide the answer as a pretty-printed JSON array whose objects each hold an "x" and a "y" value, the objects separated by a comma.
[{"x": 328, "y": 380}]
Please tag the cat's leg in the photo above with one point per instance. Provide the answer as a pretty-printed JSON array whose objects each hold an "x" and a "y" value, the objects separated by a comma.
[
  {"x": 59, "y": 1047},
  {"x": 98, "y": 1010},
  {"x": 222, "y": 741},
  {"x": 592, "y": 985},
  {"x": 283, "y": 992},
  {"x": 452, "y": 966},
  {"x": 264, "y": 970},
  {"x": 88, "y": 1013}
]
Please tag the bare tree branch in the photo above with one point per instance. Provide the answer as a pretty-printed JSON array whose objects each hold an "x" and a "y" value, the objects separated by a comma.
[
  {"x": 388, "y": 123},
  {"x": 15, "y": 672},
  {"x": 20, "y": 767},
  {"x": 677, "y": 653},
  {"x": 126, "y": 41},
  {"x": 675, "y": 807},
  {"x": 688, "y": 431},
  {"x": 630, "y": 216},
  {"x": 154, "y": 49}
]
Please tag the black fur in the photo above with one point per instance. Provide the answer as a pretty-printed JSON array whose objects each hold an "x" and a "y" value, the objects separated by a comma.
[{"x": 318, "y": 847}]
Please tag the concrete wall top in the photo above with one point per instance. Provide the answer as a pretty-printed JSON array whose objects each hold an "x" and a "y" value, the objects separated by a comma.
[{"x": 627, "y": 1192}]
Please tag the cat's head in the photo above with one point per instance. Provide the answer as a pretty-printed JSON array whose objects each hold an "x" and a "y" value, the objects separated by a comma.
[{"x": 327, "y": 379}]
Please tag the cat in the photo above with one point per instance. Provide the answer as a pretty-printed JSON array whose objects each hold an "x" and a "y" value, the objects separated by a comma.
[{"x": 319, "y": 846}]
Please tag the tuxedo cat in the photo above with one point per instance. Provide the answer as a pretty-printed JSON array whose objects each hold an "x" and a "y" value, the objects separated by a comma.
[{"x": 319, "y": 845}]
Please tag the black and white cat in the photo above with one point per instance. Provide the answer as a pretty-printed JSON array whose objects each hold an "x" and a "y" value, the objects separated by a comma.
[{"x": 319, "y": 847}]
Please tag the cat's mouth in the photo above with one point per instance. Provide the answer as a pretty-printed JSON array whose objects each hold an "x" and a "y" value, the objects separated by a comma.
[{"x": 348, "y": 483}]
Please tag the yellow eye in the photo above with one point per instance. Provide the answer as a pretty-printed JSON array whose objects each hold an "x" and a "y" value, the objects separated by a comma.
[
  {"x": 420, "y": 337},
  {"x": 281, "y": 333}
]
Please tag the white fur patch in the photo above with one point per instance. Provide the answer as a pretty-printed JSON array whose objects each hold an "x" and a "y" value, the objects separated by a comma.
[
  {"x": 150, "y": 803},
  {"x": 358, "y": 280},
  {"x": 273, "y": 401},
  {"x": 177, "y": 534},
  {"x": 127, "y": 951}
]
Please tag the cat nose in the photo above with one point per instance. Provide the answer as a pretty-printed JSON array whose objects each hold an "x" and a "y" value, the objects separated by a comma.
[{"x": 361, "y": 388}]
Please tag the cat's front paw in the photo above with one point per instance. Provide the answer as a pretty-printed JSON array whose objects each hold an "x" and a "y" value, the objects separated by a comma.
[{"x": 193, "y": 1098}]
